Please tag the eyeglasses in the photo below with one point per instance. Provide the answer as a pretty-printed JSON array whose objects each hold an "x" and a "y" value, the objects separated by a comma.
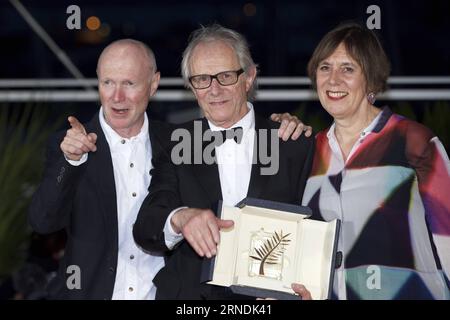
[{"x": 225, "y": 78}]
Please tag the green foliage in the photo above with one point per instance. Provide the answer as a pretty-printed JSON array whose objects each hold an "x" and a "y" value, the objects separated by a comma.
[
  {"x": 405, "y": 109},
  {"x": 437, "y": 118},
  {"x": 23, "y": 135}
]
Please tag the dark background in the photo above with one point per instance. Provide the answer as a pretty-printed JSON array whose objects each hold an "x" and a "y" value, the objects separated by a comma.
[{"x": 281, "y": 34}]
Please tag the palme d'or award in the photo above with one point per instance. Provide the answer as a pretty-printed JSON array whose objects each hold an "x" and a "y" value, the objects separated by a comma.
[{"x": 270, "y": 246}]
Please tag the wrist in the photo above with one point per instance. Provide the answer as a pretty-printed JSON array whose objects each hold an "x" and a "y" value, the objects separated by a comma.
[{"x": 175, "y": 222}]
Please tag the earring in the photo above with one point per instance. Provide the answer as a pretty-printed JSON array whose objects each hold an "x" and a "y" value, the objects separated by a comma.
[{"x": 371, "y": 97}]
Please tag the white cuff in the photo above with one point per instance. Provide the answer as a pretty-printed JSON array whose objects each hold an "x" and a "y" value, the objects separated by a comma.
[
  {"x": 170, "y": 236},
  {"x": 79, "y": 162}
]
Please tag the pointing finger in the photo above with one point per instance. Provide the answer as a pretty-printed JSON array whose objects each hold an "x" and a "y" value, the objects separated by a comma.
[{"x": 75, "y": 124}]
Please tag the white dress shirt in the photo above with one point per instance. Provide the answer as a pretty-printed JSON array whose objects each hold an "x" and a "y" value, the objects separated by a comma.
[
  {"x": 235, "y": 160},
  {"x": 235, "y": 165},
  {"x": 131, "y": 159}
]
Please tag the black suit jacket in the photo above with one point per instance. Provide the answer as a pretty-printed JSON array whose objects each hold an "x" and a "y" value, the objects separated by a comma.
[
  {"x": 198, "y": 186},
  {"x": 81, "y": 200}
]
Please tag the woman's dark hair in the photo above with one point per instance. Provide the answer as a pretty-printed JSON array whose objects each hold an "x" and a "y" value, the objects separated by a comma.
[{"x": 363, "y": 46}]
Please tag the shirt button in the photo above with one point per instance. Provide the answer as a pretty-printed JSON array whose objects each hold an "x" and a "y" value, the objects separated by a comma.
[
  {"x": 363, "y": 134},
  {"x": 122, "y": 141},
  {"x": 134, "y": 194},
  {"x": 131, "y": 257},
  {"x": 130, "y": 289},
  {"x": 131, "y": 165}
]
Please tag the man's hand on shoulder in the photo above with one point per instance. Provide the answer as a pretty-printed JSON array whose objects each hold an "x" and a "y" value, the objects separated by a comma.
[{"x": 291, "y": 126}]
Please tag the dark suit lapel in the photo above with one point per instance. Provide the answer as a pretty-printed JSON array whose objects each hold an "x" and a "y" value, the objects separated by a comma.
[
  {"x": 101, "y": 163},
  {"x": 207, "y": 174},
  {"x": 258, "y": 181}
]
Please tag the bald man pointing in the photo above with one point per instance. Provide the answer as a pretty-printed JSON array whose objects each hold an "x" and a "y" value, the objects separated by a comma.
[{"x": 95, "y": 180}]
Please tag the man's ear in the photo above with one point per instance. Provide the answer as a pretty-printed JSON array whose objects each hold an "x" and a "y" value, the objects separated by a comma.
[
  {"x": 154, "y": 83},
  {"x": 250, "y": 76}
]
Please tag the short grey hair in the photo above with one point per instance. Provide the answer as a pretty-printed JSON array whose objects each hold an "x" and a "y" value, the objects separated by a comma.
[
  {"x": 135, "y": 43},
  {"x": 216, "y": 32}
]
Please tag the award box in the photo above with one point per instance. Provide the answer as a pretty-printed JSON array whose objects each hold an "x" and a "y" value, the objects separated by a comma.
[{"x": 270, "y": 246}]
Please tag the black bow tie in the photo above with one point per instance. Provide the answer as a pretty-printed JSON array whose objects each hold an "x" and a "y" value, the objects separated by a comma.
[{"x": 233, "y": 133}]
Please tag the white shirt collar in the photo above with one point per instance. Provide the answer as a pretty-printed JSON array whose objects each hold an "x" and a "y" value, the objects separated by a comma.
[
  {"x": 113, "y": 138},
  {"x": 367, "y": 130},
  {"x": 247, "y": 122}
]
